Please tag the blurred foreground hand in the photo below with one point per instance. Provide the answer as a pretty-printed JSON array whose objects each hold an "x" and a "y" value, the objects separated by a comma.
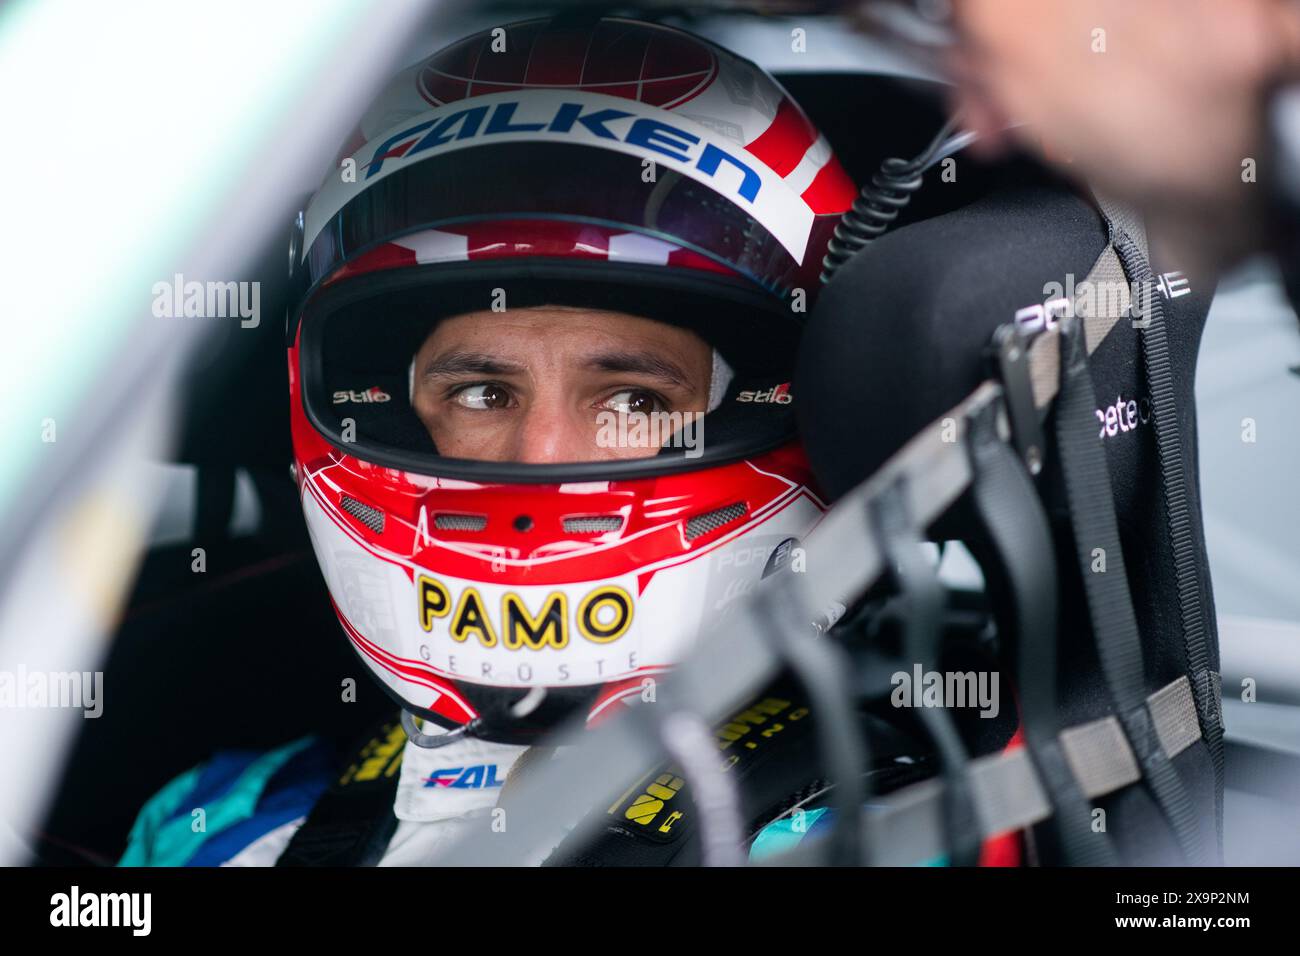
[{"x": 1160, "y": 103}]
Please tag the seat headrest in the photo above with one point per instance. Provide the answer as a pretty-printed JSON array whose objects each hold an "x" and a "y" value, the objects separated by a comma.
[{"x": 898, "y": 337}]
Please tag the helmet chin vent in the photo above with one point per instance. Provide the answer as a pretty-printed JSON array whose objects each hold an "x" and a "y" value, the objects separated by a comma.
[
  {"x": 713, "y": 520},
  {"x": 455, "y": 522},
  {"x": 593, "y": 524},
  {"x": 368, "y": 515}
]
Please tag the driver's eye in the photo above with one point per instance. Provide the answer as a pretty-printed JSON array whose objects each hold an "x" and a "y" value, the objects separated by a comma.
[
  {"x": 631, "y": 400},
  {"x": 485, "y": 395}
]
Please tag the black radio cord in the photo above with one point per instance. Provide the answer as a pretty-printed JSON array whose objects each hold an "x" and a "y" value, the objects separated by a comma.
[{"x": 882, "y": 199}]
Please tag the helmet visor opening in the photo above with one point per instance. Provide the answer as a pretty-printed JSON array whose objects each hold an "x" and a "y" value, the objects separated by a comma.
[{"x": 359, "y": 340}]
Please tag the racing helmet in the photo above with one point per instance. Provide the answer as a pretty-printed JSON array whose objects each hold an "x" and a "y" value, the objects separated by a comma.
[{"x": 599, "y": 163}]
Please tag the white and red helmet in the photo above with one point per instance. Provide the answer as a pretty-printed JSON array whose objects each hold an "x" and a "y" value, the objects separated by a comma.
[{"x": 595, "y": 162}]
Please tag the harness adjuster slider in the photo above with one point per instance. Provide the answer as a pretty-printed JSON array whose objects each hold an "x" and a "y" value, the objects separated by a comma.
[{"x": 1010, "y": 354}]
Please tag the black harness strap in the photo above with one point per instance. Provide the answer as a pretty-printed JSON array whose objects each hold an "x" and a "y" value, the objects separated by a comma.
[
  {"x": 1173, "y": 485},
  {"x": 918, "y": 581},
  {"x": 1007, "y": 504},
  {"x": 821, "y": 670},
  {"x": 1092, "y": 513},
  {"x": 352, "y": 822}
]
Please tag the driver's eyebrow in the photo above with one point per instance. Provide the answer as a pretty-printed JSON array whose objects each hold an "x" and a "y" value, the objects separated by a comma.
[
  {"x": 644, "y": 363},
  {"x": 469, "y": 363}
]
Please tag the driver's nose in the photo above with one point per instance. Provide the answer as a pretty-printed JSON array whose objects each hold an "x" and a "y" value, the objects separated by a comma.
[{"x": 548, "y": 434}]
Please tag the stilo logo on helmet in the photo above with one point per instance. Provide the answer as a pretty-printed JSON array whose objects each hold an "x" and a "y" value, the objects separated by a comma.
[{"x": 503, "y": 595}]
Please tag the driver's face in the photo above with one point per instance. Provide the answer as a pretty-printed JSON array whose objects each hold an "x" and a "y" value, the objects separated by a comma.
[{"x": 530, "y": 385}]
